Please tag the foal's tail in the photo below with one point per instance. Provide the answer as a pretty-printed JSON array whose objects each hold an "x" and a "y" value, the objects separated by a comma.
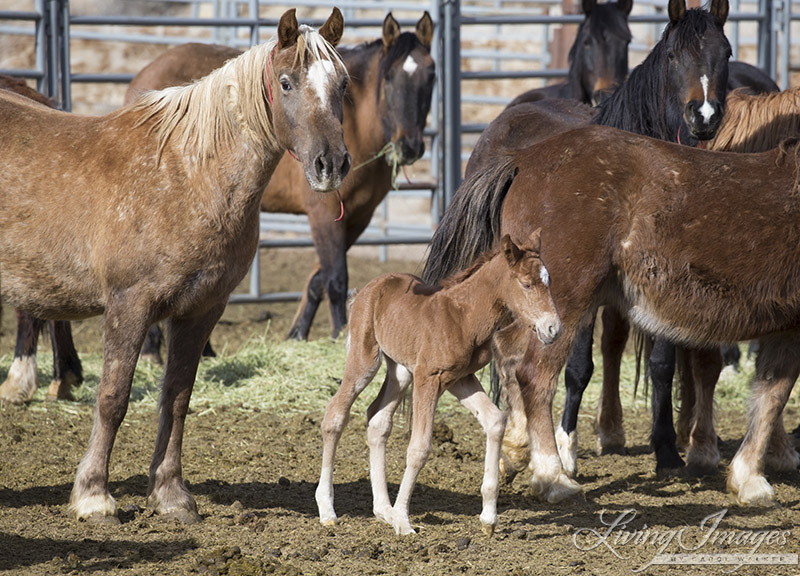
[{"x": 471, "y": 223}]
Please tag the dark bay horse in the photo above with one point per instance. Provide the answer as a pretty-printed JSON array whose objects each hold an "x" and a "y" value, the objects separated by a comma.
[
  {"x": 22, "y": 379},
  {"x": 437, "y": 337},
  {"x": 676, "y": 94},
  {"x": 598, "y": 58},
  {"x": 151, "y": 212},
  {"x": 666, "y": 233}
]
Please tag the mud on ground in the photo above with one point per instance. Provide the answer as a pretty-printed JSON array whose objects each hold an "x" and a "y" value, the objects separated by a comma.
[{"x": 254, "y": 474}]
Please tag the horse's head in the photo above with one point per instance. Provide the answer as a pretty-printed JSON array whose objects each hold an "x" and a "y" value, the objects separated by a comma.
[
  {"x": 599, "y": 54},
  {"x": 528, "y": 295},
  {"x": 307, "y": 82},
  {"x": 696, "y": 55},
  {"x": 405, "y": 85}
]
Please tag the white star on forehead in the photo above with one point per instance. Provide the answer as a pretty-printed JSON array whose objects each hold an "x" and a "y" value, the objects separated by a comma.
[
  {"x": 318, "y": 75},
  {"x": 410, "y": 65}
]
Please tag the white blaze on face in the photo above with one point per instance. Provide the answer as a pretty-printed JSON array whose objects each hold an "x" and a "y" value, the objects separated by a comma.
[
  {"x": 318, "y": 75},
  {"x": 544, "y": 275},
  {"x": 410, "y": 66},
  {"x": 707, "y": 110}
]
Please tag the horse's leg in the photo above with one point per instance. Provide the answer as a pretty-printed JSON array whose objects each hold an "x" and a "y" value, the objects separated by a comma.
[
  {"x": 610, "y": 433},
  {"x": 363, "y": 361},
  {"x": 538, "y": 377},
  {"x": 662, "y": 370},
  {"x": 166, "y": 492},
  {"x": 471, "y": 395},
  {"x": 309, "y": 303},
  {"x": 689, "y": 387},
  {"x": 424, "y": 398},
  {"x": 67, "y": 369},
  {"x": 777, "y": 368},
  {"x": 702, "y": 453},
  {"x": 576, "y": 378},
  {"x": 22, "y": 379},
  {"x": 781, "y": 455},
  {"x": 151, "y": 349},
  {"x": 124, "y": 330},
  {"x": 379, "y": 417}
]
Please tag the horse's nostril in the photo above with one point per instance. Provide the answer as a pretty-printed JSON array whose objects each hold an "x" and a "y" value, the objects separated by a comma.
[
  {"x": 345, "y": 164},
  {"x": 319, "y": 165}
]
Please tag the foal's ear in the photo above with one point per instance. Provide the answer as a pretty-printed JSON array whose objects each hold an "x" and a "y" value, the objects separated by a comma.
[
  {"x": 625, "y": 6},
  {"x": 287, "y": 29},
  {"x": 719, "y": 8},
  {"x": 425, "y": 30},
  {"x": 333, "y": 28},
  {"x": 535, "y": 241},
  {"x": 512, "y": 253},
  {"x": 588, "y": 6},
  {"x": 391, "y": 31},
  {"x": 676, "y": 10}
]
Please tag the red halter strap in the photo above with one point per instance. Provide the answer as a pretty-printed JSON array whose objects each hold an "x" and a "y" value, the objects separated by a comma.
[{"x": 289, "y": 152}]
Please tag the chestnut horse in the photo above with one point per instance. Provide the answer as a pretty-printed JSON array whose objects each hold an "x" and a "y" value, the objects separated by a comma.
[
  {"x": 598, "y": 58},
  {"x": 151, "y": 212},
  {"x": 676, "y": 94},
  {"x": 438, "y": 337},
  {"x": 22, "y": 378},
  {"x": 387, "y": 104},
  {"x": 667, "y": 233}
]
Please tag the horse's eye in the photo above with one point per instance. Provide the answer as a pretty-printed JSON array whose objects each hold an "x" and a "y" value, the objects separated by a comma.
[
  {"x": 286, "y": 86},
  {"x": 345, "y": 82},
  {"x": 670, "y": 55}
]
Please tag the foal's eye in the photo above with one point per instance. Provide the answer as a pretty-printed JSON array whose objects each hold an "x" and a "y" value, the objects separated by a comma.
[
  {"x": 526, "y": 286},
  {"x": 286, "y": 86}
]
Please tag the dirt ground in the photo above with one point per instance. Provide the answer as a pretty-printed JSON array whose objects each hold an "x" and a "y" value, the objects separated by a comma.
[{"x": 254, "y": 475}]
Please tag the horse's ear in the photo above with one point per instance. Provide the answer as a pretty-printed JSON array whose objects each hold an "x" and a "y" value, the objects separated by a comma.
[
  {"x": 719, "y": 8},
  {"x": 625, "y": 6},
  {"x": 510, "y": 250},
  {"x": 535, "y": 241},
  {"x": 588, "y": 6},
  {"x": 287, "y": 29},
  {"x": 391, "y": 31},
  {"x": 333, "y": 28},
  {"x": 676, "y": 10},
  {"x": 425, "y": 30}
]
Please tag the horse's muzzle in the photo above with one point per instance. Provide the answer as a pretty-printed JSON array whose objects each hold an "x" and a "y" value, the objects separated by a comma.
[
  {"x": 327, "y": 171},
  {"x": 703, "y": 118},
  {"x": 548, "y": 329},
  {"x": 405, "y": 151}
]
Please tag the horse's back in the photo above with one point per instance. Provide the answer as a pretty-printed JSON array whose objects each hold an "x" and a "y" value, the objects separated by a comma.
[
  {"x": 179, "y": 65},
  {"x": 744, "y": 75}
]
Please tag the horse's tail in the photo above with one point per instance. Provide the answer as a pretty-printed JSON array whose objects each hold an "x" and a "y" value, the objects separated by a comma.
[{"x": 471, "y": 223}]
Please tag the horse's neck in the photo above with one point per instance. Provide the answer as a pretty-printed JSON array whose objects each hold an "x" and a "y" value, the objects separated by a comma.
[{"x": 479, "y": 298}]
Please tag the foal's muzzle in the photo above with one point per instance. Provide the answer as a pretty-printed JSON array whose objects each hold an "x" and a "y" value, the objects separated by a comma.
[
  {"x": 548, "y": 329},
  {"x": 703, "y": 118}
]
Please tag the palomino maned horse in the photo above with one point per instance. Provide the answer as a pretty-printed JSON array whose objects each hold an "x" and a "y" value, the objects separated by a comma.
[
  {"x": 667, "y": 233},
  {"x": 387, "y": 104},
  {"x": 676, "y": 94},
  {"x": 437, "y": 336},
  {"x": 598, "y": 58},
  {"x": 152, "y": 212}
]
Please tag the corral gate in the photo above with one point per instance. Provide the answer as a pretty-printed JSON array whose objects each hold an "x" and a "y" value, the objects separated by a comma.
[{"x": 466, "y": 34}]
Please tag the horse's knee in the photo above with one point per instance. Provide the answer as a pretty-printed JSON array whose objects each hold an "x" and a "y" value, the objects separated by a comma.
[{"x": 495, "y": 424}]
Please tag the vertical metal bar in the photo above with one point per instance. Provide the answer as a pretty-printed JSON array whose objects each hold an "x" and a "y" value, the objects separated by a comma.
[
  {"x": 734, "y": 33},
  {"x": 66, "y": 68},
  {"x": 255, "y": 275},
  {"x": 436, "y": 112},
  {"x": 451, "y": 71},
  {"x": 41, "y": 46},
  {"x": 786, "y": 43},
  {"x": 765, "y": 55},
  {"x": 254, "y": 31},
  {"x": 52, "y": 50}
]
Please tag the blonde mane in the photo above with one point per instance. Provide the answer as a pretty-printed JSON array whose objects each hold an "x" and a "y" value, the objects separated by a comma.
[
  {"x": 209, "y": 115},
  {"x": 757, "y": 122}
]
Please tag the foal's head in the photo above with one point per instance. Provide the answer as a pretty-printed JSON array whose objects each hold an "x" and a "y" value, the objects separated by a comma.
[
  {"x": 599, "y": 55},
  {"x": 528, "y": 288},
  {"x": 405, "y": 85},
  {"x": 696, "y": 54},
  {"x": 307, "y": 82}
]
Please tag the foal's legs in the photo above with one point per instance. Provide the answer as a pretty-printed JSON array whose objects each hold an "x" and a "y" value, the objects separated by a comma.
[
  {"x": 379, "y": 416},
  {"x": 166, "y": 492},
  {"x": 576, "y": 378},
  {"x": 363, "y": 361},
  {"x": 21, "y": 382},
  {"x": 777, "y": 368},
  {"x": 67, "y": 369},
  {"x": 471, "y": 395},
  {"x": 124, "y": 331},
  {"x": 662, "y": 370},
  {"x": 702, "y": 454},
  {"x": 610, "y": 433}
]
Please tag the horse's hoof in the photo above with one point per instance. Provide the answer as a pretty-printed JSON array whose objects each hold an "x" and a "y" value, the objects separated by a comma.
[
  {"x": 384, "y": 516},
  {"x": 102, "y": 519},
  {"x": 667, "y": 472},
  {"x": 756, "y": 491},
  {"x": 182, "y": 515},
  {"x": 557, "y": 490},
  {"x": 488, "y": 529},
  {"x": 568, "y": 450},
  {"x": 329, "y": 521},
  {"x": 404, "y": 530},
  {"x": 785, "y": 461}
]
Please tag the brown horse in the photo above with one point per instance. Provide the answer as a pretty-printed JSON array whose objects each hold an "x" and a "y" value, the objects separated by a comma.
[
  {"x": 438, "y": 337},
  {"x": 667, "y": 233},
  {"x": 387, "y": 104},
  {"x": 151, "y": 212},
  {"x": 22, "y": 379}
]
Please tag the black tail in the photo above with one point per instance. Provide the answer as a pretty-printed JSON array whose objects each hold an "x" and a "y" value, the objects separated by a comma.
[{"x": 471, "y": 223}]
